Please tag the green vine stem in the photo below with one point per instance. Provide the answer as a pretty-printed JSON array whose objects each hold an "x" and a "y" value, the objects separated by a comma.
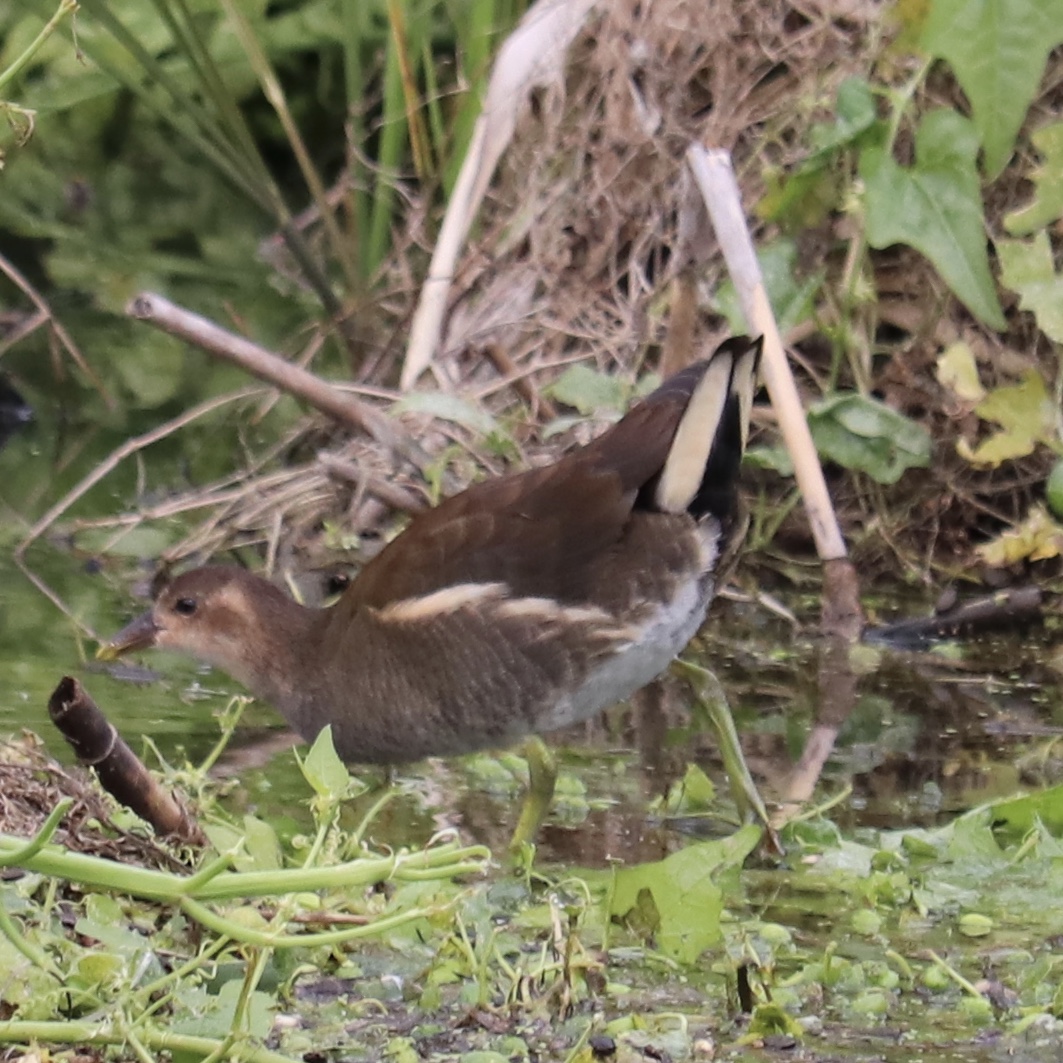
[{"x": 212, "y": 884}]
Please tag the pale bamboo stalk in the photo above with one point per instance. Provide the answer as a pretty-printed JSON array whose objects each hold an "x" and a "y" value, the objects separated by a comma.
[
  {"x": 534, "y": 53},
  {"x": 715, "y": 178}
]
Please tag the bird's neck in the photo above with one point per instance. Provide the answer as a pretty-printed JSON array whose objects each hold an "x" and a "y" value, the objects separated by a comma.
[{"x": 280, "y": 659}]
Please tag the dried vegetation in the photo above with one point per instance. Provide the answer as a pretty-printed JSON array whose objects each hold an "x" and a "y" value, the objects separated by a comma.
[{"x": 590, "y": 248}]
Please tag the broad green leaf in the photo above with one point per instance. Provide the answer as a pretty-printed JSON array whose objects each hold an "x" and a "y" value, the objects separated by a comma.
[
  {"x": 143, "y": 542},
  {"x": 957, "y": 371},
  {"x": 971, "y": 839},
  {"x": 799, "y": 200},
  {"x": 262, "y": 844},
  {"x": 998, "y": 50},
  {"x": 560, "y": 425},
  {"x": 98, "y": 969},
  {"x": 856, "y": 114},
  {"x": 775, "y": 458},
  {"x": 105, "y": 921},
  {"x": 865, "y": 434},
  {"x": 1037, "y": 538},
  {"x": 448, "y": 408},
  {"x": 1026, "y": 267},
  {"x": 791, "y": 298},
  {"x": 587, "y": 390},
  {"x": 646, "y": 385},
  {"x": 802, "y": 197},
  {"x": 323, "y": 769},
  {"x": 692, "y": 794},
  {"x": 206, "y": 1014},
  {"x": 1047, "y": 204},
  {"x": 1026, "y": 415},
  {"x": 935, "y": 206},
  {"x": 25, "y": 988},
  {"x": 153, "y": 374},
  {"x": 255, "y": 848},
  {"x": 1021, "y": 814},
  {"x": 683, "y": 890}
]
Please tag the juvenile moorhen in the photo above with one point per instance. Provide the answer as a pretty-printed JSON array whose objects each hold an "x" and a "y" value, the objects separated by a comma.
[{"x": 521, "y": 605}]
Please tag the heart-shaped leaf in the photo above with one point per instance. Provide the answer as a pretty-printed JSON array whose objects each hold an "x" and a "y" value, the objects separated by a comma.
[
  {"x": 998, "y": 50},
  {"x": 935, "y": 206}
]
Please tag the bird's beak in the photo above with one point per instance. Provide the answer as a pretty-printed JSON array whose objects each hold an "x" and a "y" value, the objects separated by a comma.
[{"x": 140, "y": 634}]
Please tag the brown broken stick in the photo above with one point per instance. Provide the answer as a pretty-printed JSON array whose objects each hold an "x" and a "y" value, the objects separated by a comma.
[
  {"x": 1002, "y": 609},
  {"x": 120, "y": 771}
]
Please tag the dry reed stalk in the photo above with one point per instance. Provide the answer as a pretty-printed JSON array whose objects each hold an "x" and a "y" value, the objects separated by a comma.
[
  {"x": 842, "y": 612},
  {"x": 534, "y": 53},
  {"x": 267, "y": 366}
]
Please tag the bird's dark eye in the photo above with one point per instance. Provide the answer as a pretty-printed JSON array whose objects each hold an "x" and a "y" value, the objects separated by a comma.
[{"x": 185, "y": 606}]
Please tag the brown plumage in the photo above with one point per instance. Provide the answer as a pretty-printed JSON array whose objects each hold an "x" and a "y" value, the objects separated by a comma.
[{"x": 518, "y": 606}]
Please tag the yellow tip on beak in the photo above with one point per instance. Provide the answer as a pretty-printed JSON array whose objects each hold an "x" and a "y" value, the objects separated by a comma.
[{"x": 140, "y": 634}]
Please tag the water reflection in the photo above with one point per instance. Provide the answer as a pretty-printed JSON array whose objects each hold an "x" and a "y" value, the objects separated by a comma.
[{"x": 929, "y": 734}]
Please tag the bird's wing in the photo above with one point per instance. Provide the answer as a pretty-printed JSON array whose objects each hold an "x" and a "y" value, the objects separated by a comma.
[{"x": 493, "y": 666}]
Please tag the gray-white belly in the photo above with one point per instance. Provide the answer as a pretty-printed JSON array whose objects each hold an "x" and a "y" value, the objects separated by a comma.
[{"x": 661, "y": 638}]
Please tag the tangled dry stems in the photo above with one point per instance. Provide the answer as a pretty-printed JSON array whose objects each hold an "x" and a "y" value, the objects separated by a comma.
[{"x": 582, "y": 249}]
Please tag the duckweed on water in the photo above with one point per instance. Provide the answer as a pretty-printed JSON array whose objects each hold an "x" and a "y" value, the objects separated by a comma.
[{"x": 879, "y": 946}]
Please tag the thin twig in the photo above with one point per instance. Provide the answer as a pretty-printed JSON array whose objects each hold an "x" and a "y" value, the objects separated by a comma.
[
  {"x": 108, "y": 465},
  {"x": 395, "y": 496},
  {"x": 29, "y": 324},
  {"x": 256, "y": 360},
  {"x": 521, "y": 382}
]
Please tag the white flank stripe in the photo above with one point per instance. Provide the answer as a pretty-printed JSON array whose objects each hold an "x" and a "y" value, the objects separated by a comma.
[{"x": 438, "y": 603}]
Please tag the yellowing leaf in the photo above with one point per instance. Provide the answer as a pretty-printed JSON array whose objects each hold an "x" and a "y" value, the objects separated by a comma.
[
  {"x": 1037, "y": 538},
  {"x": 1027, "y": 268},
  {"x": 1023, "y": 406},
  {"x": 957, "y": 371},
  {"x": 1047, "y": 204},
  {"x": 1027, "y": 416},
  {"x": 998, "y": 448}
]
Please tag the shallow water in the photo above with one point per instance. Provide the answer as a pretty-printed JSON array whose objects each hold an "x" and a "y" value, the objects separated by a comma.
[
  {"x": 926, "y": 734},
  {"x": 924, "y": 737},
  {"x": 929, "y": 734}
]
